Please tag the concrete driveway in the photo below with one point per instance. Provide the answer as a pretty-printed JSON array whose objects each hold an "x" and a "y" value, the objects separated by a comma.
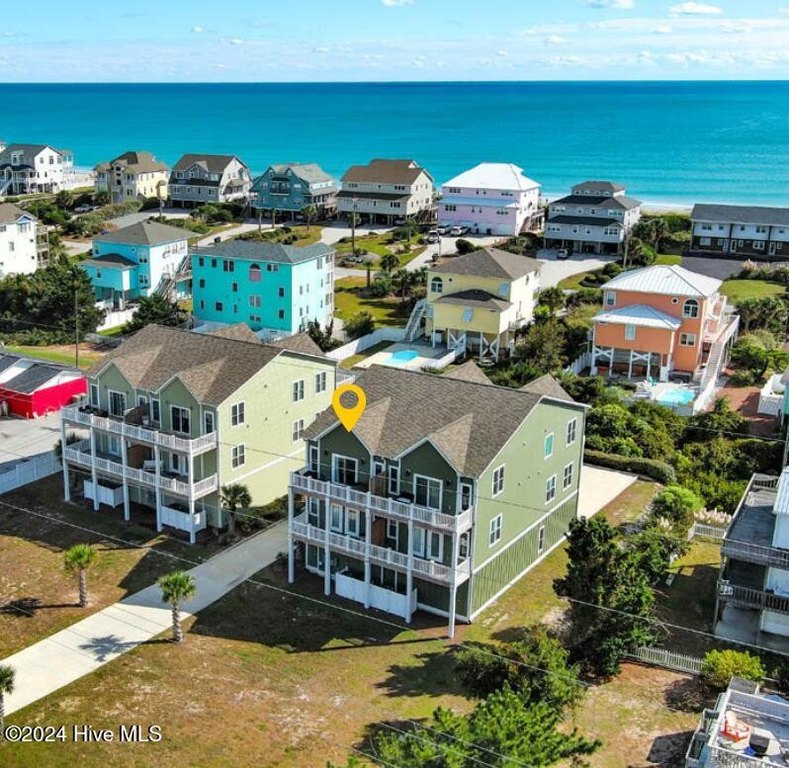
[
  {"x": 554, "y": 271},
  {"x": 23, "y": 438},
  {"x": 599, "y": 487}
]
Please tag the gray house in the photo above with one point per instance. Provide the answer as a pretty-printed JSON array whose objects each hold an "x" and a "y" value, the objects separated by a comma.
[
  {"x": 200, "y": 179},
  {"x": 290, "y": 187}
]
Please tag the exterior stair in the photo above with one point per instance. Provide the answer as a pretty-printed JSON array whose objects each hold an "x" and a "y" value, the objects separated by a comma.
[{"x": 414, "y": 328}]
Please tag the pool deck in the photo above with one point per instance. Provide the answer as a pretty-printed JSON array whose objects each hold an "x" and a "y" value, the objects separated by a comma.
[{"x": 425, "y": 353}]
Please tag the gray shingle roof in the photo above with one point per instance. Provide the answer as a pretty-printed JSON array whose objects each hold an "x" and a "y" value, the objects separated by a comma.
[
  {"x": 475, "y": 298},
  {"x": 489, "y": 262},
  {"x": 299, "y": 342},
  {"x": 135, "y": 162},
  {"x": 258, "y": 250},
  {"x": 212, "y": 163},
  {"x": 32, "y": 378},
  {"x": 596, "y": 184},
  {"x": 238, "y": 332},
  {"x": 468, "y": 371},
  {"x": 741, "y": 214},
  {"x": 468, "y": 422},
  {"x": 349, "y": 194},
  {"x": 623, "y": 202},
  {"x": 587, "y": 221},
  {"x": 548, "y": 386},
  {"x": 10, "y": 213},
  {"x": 385, "y": 172},
  {"x": 111, "y": 260},
  {"x": 146, "y": 232},
  {"x": 309, "y": 172},
  {"x": 210, "y": 366}
]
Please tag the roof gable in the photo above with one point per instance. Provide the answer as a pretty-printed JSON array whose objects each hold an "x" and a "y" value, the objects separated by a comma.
[
  {"x": 667, "y": 280},
  {"x": 489, "y": 262},
  {"x": 147, "y": 232}
]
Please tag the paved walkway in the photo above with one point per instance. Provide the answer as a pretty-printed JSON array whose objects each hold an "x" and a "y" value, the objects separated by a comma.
[
  {"x": 599, "y": 487},
  {"x": 87, "y": 645}
]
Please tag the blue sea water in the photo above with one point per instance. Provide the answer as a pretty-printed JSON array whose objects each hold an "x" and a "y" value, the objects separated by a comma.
[{"x": 677, "y": 142}]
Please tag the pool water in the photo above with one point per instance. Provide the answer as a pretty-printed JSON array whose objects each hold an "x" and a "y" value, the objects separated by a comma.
[
  {"x": 403, "y": 356},
  {"x": 676, "y": 396}
]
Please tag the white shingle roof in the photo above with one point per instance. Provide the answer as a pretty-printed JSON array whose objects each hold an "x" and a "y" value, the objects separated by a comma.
[
  {"x": 668, "y": 280},
  {"x": 639, "y": 314},
  {"x": 493, "y": 176}
]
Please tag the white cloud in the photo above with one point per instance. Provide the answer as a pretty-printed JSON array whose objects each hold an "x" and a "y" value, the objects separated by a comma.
[
  {"x": 735, "y": 29},
  {"x": 785, "y": 9},
  {"x": 236, "y": 41},
  {"x": 695, "y": 9},
  {"x": 197, "y": 29},
  {"x": 393, "y": 3},
  {"x": 662, "y": 29},
  {"x": 619, "y": 5},
  {"x": 554, "y": 40}
]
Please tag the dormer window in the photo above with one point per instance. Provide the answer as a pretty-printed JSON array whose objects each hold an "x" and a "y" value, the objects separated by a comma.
[{"x": 436, "y": 285}]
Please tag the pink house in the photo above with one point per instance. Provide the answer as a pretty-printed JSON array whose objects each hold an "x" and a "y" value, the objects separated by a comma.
[{"x": 491, "y": 199}]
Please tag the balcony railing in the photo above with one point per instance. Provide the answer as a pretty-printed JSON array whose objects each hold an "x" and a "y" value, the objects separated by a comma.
[
  {"x": 79, "y": 453},
  {"x": 357, "y": 548},
  {"x": 754, "y": 553},
  {"x": 115, "y": 425},
  {"x": 381, "y": 505},
  {"x": 746, "y": 597}
]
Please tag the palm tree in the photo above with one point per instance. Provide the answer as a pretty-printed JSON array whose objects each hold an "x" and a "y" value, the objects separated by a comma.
[
  {"x": 177, "y": 586},
  {"x": 79, "y": 558},
  {"x": 233, "y": 497},
  {"x": 406, "y": 281},
  {"x": 388, "y": 262},
  {"x": 309, "y": 212},
  {"x": 6, "y": 687},
  {"x": 660, "y": 231}
]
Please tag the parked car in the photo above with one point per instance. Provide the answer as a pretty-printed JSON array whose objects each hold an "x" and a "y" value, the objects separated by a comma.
[
  {"x": 442, "y": 229},
  {"x": 456, "y": 231},
  {"x": 562, "y": 254},
  {"x": 399, "y": 222},
  {"x": 84, "y": 208},
  {"x": 433, "y": 236}
]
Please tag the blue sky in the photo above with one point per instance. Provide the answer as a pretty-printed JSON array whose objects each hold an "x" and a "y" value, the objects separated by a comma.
[{"x": 368, "y": 40}]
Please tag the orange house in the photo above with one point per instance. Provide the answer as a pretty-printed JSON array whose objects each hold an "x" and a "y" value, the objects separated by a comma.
[{"x": 662, "y": 320}]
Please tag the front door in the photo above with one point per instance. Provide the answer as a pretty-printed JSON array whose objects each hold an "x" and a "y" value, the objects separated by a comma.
[{"x": 772, "y": 249}]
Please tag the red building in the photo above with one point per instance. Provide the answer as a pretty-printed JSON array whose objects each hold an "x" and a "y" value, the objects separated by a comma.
[{"x": 29, "y": 388}]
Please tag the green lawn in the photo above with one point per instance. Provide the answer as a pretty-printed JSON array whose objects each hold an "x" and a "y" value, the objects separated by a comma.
[
  {"x": 350, "y": 298},
  {"x": 305, "y": 235},
  {"x": 60, "y": 353},
  {"x": 110, "y": 332},
  {"x": 573, "y": 283},
  {"x": 380, "y": 244},
  {"x": 669, "y": 259},
  {"x": 740, "y": 290},
  {"x": 349, "y": 362}
]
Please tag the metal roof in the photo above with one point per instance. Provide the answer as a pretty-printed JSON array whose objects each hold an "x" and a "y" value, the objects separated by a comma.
[
  {"x": 665, "y": 280},
  {"x": 639, "y": 314},
  {"x": 497, "y": 176}
]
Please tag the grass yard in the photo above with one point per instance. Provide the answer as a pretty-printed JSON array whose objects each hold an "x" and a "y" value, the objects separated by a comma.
[
  {"x": 740, "y": 290},
  {"x": 349, "y": 362},
  {"x": 380, "y": 244},
  {"x": 32, "y": 577},
  {"x": 272, "y": 678},
  {"x": 669, "y": 259},
  {"x": 350, "y": 298},
  {"x": 573, "y": 282},
  {"x": 59, "y": 353}
]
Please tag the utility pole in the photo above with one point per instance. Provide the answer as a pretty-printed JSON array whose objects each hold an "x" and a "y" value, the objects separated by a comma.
[
  {"x": 76, "y": 322},
  {"x": 353, "y": 229}
]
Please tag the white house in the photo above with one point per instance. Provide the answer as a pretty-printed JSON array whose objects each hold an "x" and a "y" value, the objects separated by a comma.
[
  {"x": 491, "y": 199},
  {"x": 20, "y": 252},
  {"x": 29, "y": 168}
]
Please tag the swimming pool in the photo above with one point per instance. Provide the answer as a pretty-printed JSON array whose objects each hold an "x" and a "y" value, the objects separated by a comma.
[
  {"x": 402, "y": 356},
  {"x": 676, "y": 396}
]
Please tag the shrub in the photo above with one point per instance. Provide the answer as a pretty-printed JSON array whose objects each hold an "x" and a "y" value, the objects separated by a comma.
[
  {"x": 584, "y": 296},
  {"x": 678, "y": 505},
  {"x": 464, "y": 246},
  {"x": 719, "y": 667},
  {"x": 359, "y": 325},
  {"x": 657, "y": 470}
]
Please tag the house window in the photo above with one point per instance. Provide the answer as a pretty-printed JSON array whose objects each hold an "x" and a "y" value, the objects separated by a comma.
[
  {"x": 297, "y": 432},
  {"x": 281, "y": 314},
  {"x": 255, "y": 301},
  {"x": 567, "y": 477},
  {"x": 435, "y": 546},
  {"x": 281, "y": 292},
  {"x": 156, "y": 414},
  {"x": 418, "y": 542},
  {"x": 313, "y": 458},
  {"x": 237, "y": 456},
  {"x": 94, "y": 395},
  {"x": 547, "y": 447},
  {"x": 344, "y": 470},
  {"x": 630, "y": 332},
  {"x": 272, "y": 267},
  {"x": 610, "y": 298},
  {"x": 494, "y": 533},
  {"x": 691, "y": 308},
  {"x": 298, "y": 390},
  {"x": 393, "y": 531},
  {"x": 228, "y": 265},
  {"x": 427, "y": 492},
  {"x": 463, "y": 546},
  {"x": 117, "y": 403},
  {"x": 687, "y": 339},
  {"x": 550, "y": 489},
  {"x": 320, "y": 382},
  {"x": 237, "y": 414},
  {"x": 436, "y": 285},
  {"x": 504, "y": 288},
  {"x": 541, "y": 539},
  {"x": 313, "y": 511},
  {"x": 254, "y": 273},
  {"x": 572, "y": 430},
  {"x": 234, "y": 287},
  {"x": 335, "y": 521},
  {"x": 208, "y": 422},
  {"x": 498, "y": 480},
  {"x": 466, "y": 495},
  {"x": 394, "y": 480},
  {"x": 201, "y": 282},
  {"x": 218, "y": 306},
  {"x": 179, "y": 419},
  {"x": 353, "y": 522},
  {"x": 467, "y": 315}
]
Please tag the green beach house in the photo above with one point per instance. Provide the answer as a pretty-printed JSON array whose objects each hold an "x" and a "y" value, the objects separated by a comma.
[
  {"x": 172, "y": 416},
  {"x": 445, "y": 492}
]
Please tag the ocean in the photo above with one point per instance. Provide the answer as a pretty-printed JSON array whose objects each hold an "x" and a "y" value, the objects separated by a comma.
[{"x": 678, "y": 142}]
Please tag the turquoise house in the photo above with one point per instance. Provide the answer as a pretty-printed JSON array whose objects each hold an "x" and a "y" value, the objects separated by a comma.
[
  {"x": 135, "y": 261},
  {"x": 290, "y": 187},
  {"x": 276, "y": 289}
]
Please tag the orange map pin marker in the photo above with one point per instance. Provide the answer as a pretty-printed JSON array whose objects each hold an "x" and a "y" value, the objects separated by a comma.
[{"x": 349, "y": 416}]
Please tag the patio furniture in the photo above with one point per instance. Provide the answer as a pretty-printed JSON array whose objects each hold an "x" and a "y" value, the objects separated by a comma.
[{"x": 734, "y": 728}]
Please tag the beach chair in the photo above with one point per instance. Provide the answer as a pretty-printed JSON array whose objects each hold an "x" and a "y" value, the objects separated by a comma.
[{"x": 733, "y": 728}]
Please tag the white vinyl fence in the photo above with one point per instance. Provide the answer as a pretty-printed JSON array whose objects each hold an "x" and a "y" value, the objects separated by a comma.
[
  {"x": 707, "y": 531},
  {"x": 29, "y": 471},
  {"x": 584, "y": 361},
  {"x": 660, "y": 657},
  {"x": 365, "y": 342}
]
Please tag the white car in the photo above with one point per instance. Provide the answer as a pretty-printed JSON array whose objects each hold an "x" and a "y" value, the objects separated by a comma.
[
  {"x": 433, "y": 236},
  {"x": 457, "y": 231},
  {"x": 84, "y": 208}
]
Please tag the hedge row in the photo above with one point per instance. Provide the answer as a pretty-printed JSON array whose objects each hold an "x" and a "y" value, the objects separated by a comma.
[{"x": 657, "y": 470}]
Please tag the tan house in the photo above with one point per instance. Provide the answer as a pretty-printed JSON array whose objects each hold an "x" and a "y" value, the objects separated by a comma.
[
  {"x": 200, "y": 179},
  {"x": 132, "y": 175},
  {"x": 387, "y": 190},
  {"x": 476, "y": 302}
]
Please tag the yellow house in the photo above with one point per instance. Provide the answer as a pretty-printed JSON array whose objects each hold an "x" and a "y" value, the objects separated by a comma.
[{"x": 476, "y": 302}]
